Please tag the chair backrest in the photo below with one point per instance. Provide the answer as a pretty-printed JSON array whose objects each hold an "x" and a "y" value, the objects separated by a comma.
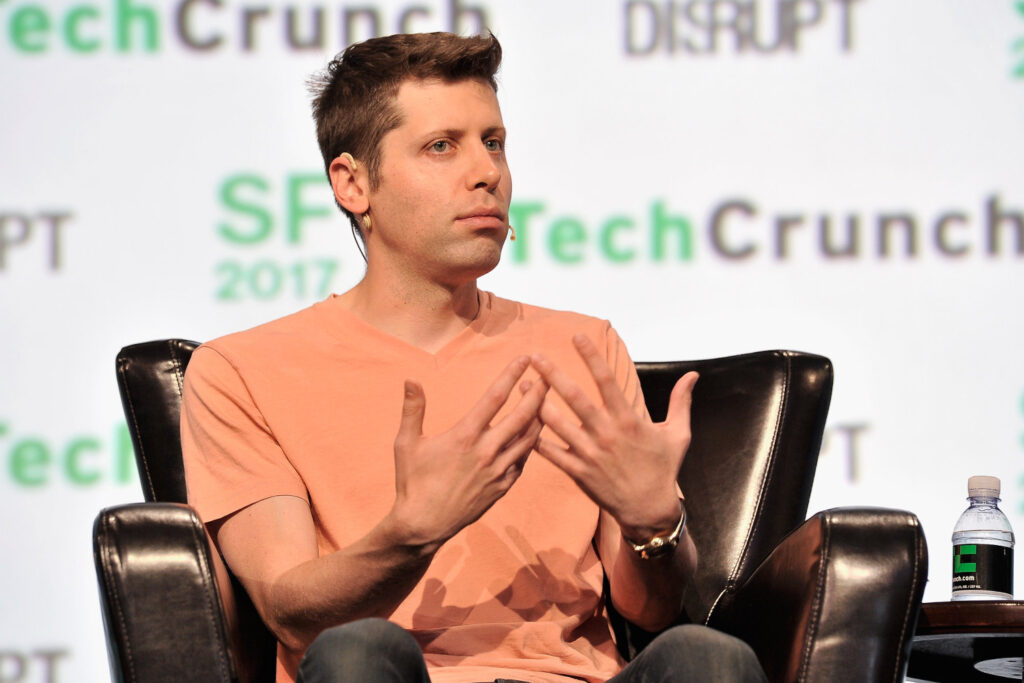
[
  {"x": 757, "y": 424},
  {"x": 151, "y": 376}
]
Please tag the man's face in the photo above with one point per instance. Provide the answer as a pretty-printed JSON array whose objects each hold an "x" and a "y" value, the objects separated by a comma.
[{"x": 441, "y": 207}]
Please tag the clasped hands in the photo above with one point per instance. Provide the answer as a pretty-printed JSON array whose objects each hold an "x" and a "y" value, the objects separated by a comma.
[{"x": 623, "y": 461}]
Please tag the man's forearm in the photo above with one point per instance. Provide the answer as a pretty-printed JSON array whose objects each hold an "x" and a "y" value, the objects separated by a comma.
[
  {"x": 272, "y": 548},
  {"x": 370, "y": 578},
  {"x": 647, "y": 592}
]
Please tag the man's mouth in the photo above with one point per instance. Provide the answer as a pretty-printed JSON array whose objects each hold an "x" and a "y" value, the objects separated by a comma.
[
  {"x": 484, "y": 213},
  {"x": 484, "y": 217}
]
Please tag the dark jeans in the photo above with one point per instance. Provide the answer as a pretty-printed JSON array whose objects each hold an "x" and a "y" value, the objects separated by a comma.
[{"x": 377, "y": 651}]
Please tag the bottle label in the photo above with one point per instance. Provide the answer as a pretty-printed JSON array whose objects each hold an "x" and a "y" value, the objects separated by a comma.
[{"x": 983, "y": 567}]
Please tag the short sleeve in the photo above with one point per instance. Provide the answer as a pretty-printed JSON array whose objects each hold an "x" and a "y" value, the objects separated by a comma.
[{"x": 231, "y": 457}]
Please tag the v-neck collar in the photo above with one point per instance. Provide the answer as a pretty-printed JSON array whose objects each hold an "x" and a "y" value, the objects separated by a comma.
[{"x": 340, "y": 322}]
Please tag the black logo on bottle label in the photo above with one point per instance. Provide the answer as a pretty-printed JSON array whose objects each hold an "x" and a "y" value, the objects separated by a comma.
[{"x": 983, "y": 567}]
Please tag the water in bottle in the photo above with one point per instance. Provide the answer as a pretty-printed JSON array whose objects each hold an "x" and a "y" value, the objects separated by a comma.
[{"x": 983, "y": 546}]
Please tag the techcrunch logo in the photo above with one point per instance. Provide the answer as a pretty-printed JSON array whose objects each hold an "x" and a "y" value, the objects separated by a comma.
[
  {"x": 209, "y": 26},
  {"x": 741, "y": 230},
  {"x": 34, "y": 462},
  {"x": 709, "y": 27},
  {"x": 259, "y": 210}
]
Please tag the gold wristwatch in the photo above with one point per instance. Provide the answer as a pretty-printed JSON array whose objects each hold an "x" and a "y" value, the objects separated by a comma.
[{"x": 661, "y": 545}]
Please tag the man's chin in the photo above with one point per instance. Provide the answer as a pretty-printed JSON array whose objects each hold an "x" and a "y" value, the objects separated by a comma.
[{"x": 476, "y": 265}]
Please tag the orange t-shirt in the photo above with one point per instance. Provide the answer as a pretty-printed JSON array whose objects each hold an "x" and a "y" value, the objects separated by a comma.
[{"x": 309, "y": 406}]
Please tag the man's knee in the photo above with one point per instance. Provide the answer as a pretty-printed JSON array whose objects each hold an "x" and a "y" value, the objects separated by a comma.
[
  {"x": 700, "y": 648},
  {"x": 696, "y": 636},
  {"x": 352, "y": 650},
  {"x": 365, "y": 633}
]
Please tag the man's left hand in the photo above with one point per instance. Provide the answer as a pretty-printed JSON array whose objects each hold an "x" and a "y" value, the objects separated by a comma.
[{"x": 626, "y": 463}]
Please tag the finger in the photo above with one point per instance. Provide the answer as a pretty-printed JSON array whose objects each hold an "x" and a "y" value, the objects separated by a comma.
[
  {"x": 513, "y": 459},
  {"x": 480, "y": 416},
  {"x": 521, "y": 416},
  {"x": 509, "y": 476},
  {"x": 515, "y": 470},
  {"x": 570, "y": 392},
  {"x": 516, "y": 451},
  {"x": 680, "y": 401},
  {"x": 531, "y": 434},
  {"x": 414, "y": 406},
  {"x": 559, "y": 457},
  {"x": 562, "y": 425},
  {"x": 614, "y": 400}
]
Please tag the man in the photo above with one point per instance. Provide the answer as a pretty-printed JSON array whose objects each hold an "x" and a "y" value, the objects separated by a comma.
[{"x": 369, "y": 458}]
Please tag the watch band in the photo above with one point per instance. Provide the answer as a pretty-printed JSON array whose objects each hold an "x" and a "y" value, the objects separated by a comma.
[{"x": 661, "y": 545}]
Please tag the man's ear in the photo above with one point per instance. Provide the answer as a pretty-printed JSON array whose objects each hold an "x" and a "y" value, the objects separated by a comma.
[{"x": 350, "y": 184}]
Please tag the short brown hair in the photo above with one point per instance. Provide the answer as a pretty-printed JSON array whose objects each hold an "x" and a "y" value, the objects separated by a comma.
[{"x": 354, "y": 96}]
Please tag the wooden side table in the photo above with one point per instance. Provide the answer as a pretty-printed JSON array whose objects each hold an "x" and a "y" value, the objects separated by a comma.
[{"x": 973, "y": 642}]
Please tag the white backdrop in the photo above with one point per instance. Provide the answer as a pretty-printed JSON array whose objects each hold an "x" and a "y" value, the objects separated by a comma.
[{"x": 836, "y": 176}]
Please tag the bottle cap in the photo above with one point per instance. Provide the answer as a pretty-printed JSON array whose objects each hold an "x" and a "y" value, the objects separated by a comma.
[{"x": 986, "y": 487}]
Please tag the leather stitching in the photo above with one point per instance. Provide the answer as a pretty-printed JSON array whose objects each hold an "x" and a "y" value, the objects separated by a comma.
[
  {"x": 711, "y": 610},
  {"x": 780, "y": 419},
  {"x": 112, "y": 569},
  {"x": 213, "y": 614},
  {"x": 179, "y": 376},
  {"x": 733, "y": 579},
  {"x": 815, "y": 616},
  {"x": 910, "y": 605}
]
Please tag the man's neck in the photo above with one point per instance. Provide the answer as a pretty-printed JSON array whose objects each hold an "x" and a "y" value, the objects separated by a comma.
[{"x": 427, "y": 315}]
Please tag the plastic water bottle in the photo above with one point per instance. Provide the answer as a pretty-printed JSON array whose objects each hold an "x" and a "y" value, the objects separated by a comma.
[{"x": 983, "y": 546}]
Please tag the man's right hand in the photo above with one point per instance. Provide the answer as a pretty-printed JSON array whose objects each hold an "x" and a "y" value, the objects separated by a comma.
[
  {"x": 443, "y": 483},
  {"x": 447, "y": 481}
]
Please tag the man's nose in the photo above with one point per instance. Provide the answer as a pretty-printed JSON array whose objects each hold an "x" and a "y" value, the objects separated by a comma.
[{"x": 485, "y": 169}]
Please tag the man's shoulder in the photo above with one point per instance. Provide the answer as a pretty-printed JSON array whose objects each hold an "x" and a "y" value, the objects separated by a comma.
[{"x": 281, "y": 336}]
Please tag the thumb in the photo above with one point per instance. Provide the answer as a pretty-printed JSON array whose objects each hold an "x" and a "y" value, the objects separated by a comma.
[
  {"x": 681, "y": 399},
  {"x": 414, "y": 406}
]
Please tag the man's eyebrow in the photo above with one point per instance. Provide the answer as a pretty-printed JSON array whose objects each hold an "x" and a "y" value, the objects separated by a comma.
[
  {"x": 459, "y": 132},
  {"x": 448, "y": 133}
]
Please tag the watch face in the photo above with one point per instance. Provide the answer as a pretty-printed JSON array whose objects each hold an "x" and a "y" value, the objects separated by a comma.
[
  {"x": 658, "y": 546},
  {"x": 658, "y": 549},
  {"x": 661, "y": 545}
]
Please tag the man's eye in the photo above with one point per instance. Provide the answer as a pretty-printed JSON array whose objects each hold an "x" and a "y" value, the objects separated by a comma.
[
  {"x": 493, "y": 145},
  {"x": 440, "y": 146}
]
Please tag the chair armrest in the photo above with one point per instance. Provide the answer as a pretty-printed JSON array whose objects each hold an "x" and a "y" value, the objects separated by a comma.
[
  {"x": 161, "y": 608},
  {"x": 836, "y": 600}
]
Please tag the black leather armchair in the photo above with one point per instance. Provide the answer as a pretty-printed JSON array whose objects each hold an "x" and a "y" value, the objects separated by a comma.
[{"x": 833, "y": 598}]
